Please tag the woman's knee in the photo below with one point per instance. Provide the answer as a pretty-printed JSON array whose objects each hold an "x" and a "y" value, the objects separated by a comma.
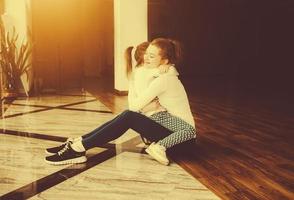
[
  {"x": 124, "y": 112},
  {"x": 188, "y": 133},
  {"x": 128, "y": 113}
]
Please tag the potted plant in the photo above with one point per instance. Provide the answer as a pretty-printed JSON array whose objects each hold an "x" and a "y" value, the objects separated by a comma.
[{"x": 14, "y": 60}]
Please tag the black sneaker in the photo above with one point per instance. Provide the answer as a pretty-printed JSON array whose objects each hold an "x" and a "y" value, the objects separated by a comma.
[
  {"x": 54, "y": 150},
  {"x": 66, "y": 156}
]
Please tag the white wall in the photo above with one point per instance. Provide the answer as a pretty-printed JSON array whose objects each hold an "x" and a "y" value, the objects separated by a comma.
[{"x": 130, "y": 29}]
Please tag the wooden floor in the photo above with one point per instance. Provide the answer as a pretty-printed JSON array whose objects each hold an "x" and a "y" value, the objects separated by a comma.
[{"x": 244, "y": 147}]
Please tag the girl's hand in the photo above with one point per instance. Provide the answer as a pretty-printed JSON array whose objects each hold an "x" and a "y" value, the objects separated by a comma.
[
  {"x": 163, "y": 69},
  {"x": 153, "y": 105}
]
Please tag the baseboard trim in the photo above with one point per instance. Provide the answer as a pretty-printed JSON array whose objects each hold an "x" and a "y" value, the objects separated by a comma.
[{"x": 120, "y": 93}]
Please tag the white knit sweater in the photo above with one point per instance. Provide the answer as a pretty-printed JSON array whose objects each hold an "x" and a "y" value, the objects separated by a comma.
[
  {"x": 167, "y": 87},
  {"x": 140, "y": 81}
]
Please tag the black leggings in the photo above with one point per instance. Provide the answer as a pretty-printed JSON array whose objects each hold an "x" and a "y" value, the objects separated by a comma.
[{"x": 116, "y": 127}]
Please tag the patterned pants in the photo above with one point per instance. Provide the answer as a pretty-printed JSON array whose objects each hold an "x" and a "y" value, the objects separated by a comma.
[{"x": 181, "y": 130}]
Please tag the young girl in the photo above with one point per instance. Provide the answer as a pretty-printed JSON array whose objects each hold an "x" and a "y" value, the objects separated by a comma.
[{"x": 165, "y": 128}]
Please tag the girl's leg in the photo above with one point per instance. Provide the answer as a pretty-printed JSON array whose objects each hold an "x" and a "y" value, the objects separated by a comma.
[
  {"x": 100, "y": 127},
  {"x": 54, "y": 150},
  {"x": 75, "y": 153},
  {"x": 119, "y": 125}
]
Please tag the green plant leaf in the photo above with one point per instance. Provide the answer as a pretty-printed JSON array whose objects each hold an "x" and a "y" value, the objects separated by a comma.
[{"x": 14, "y": 60}]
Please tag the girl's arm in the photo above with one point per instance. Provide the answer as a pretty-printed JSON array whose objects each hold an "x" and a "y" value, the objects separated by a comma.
[
  {"x": 155, "y": 88},
  {"x": 136, "y": 102},
  {"x": 152, "y": 106}
]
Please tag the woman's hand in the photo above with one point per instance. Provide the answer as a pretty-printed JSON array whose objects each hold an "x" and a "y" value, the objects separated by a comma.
[
  {"x": 163, "y": 68},
  {"x": 153, "y": 105}
]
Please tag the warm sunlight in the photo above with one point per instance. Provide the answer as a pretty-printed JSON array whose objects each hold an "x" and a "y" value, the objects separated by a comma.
[{"x": 130, "y": 29}]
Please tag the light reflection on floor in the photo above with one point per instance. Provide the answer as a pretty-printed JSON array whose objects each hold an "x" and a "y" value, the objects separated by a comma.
[{"x": 128, "y": 175}]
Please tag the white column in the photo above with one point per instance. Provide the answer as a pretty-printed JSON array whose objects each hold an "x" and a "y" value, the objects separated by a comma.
[{"x": 130, "y": 29}]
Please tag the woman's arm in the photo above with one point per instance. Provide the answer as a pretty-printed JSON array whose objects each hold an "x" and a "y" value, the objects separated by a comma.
[
  {"x": 135, "y": 101},
  {"x": 155, "y": 88},
  {"x": 152, "y": 106}
]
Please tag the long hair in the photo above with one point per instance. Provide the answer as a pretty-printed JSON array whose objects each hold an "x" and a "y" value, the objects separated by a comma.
[
  {"x": 169, "y": 49},
  {"x": 138, "y": 56},
  {"x": 128, "y": 58}
]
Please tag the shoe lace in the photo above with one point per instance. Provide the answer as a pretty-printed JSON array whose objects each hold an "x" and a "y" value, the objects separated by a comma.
[
  {"x": 62, "y": 151},
  {"x": 145, "y": 140}
]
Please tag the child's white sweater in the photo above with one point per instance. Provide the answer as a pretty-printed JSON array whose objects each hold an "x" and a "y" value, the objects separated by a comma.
[{"x": 140, "y": 81}]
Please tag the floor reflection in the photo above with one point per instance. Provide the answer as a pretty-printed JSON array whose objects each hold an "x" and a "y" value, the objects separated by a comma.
[{"x": 118, "y": 170}]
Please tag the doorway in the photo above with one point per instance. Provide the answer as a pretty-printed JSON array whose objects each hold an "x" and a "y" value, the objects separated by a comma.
[{"x": 73, "y": 42}]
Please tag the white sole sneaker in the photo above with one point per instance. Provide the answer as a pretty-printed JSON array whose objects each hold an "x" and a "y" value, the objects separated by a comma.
[
  {"x": 48, "y": 153},
  {"x": 53, "y": 150},
  {"x": 81, "y": 159},
  {"x": 157, "y": 156}
]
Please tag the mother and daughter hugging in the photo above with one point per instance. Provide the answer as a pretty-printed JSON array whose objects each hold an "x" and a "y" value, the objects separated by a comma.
[{"x": 159, "y": 109}]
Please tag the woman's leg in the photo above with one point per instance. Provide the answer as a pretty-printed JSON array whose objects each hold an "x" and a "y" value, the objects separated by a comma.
[
  {"x": 181, "y": 133},
  {"x": 181, "y": 130},
  {"x": 119, "y": 125}
]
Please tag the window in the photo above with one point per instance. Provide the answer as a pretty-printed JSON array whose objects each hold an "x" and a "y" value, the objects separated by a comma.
[{"x": 1, "y": 7}]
